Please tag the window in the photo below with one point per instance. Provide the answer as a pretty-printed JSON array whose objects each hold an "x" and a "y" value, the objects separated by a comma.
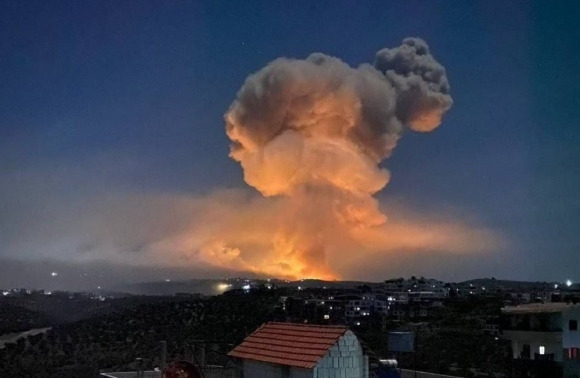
[
  {"x": 573, "y": 325},
  {"x": 542, "y": 350},
  {"x": 572, "y": 353}
]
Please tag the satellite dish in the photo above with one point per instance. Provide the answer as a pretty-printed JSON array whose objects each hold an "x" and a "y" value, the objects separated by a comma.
[{"x": 181, "y": 369}]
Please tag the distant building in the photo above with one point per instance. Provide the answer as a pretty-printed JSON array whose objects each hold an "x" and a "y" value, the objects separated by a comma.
[
  {"x": 520, "y": 298},
  {"x": 287, "y": 350},
  {"x": 357, "y": 310},
  {"x": 544, "y": 338},
  {"x": 491, "y": 328},
  {"x": 570, "y": 293}
]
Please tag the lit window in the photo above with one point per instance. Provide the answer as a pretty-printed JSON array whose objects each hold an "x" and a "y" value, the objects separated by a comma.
[
  {"x": 326, "y": 317},
  {"x": 542, "y": 350}
]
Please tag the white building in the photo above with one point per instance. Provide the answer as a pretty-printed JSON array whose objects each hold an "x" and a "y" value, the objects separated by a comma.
[
  {"x": 286, "y": 350},
  {"x": 358, "y": 307},
  {"x": 545, "y": 332}
]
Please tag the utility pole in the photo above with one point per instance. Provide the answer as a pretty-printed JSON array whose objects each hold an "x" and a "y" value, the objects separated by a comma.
[{"x": 163, "y": 355}]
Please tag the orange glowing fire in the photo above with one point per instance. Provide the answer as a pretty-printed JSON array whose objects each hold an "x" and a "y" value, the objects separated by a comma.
[{"x": 239, "y": 231}]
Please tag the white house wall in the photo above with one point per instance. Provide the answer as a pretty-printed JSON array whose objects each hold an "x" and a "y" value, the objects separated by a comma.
[
  {"x": 551, "y": 341},
  {"x": 344, "y": 360},
  {"x": 255, "y": 369},
  {"x": 571, "y": 339},
  {"x": 300, "y": 373}
]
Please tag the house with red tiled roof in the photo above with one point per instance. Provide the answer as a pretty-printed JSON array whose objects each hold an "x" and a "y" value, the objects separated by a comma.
[{"x": 287, "y": 350}]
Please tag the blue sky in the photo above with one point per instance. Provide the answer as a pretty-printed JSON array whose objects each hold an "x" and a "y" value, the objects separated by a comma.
[{"x": 103, "y": 97}]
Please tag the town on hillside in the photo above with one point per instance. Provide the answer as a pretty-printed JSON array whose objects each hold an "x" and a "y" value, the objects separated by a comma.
[{"x": 476, "y": 328}]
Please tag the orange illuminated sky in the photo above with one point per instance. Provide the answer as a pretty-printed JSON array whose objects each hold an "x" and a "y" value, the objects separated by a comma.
[{"x": 145, "y": 141}]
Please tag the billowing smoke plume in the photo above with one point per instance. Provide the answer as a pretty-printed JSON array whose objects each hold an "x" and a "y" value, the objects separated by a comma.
[
  {"x": 420, "y": 82},
  {"x": 314, "y": 131}
]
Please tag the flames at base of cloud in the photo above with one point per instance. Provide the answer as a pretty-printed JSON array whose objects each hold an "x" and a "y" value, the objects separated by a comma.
[
  {"x": 240, "y": 231},
  {"x": 235, "y": 231}
]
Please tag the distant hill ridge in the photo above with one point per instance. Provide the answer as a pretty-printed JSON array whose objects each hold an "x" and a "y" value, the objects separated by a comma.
[{"x": 211, "y": 286}]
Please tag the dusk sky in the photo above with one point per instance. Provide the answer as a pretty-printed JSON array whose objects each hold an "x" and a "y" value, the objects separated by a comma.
[{"x": 114, "y": 161}]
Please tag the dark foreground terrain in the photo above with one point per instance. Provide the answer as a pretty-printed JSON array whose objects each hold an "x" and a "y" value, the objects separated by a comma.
[{"x": 88, "y": 335}]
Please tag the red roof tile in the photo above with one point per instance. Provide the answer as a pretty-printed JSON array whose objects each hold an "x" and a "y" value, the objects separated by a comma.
[{"x": 299, "y": 345}]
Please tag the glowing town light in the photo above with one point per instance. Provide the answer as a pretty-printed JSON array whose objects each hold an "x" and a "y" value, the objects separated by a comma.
[
  {"x": 54, "y": 274},
  {"x": 568, "y": 283},
  {"x": 246, "y": 287},
  {"x": 222, "y": 286},
  {"x": 555, "y": 286},
  {"x": 542, "y": 350},
  {"x": 167, "y": 280},
  {"x": 326, "y": 317}
]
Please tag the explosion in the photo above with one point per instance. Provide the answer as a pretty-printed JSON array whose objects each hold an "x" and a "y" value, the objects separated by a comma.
[
  {"x": 312, "y": 133},
  {"x": 311, "y": 136}
]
